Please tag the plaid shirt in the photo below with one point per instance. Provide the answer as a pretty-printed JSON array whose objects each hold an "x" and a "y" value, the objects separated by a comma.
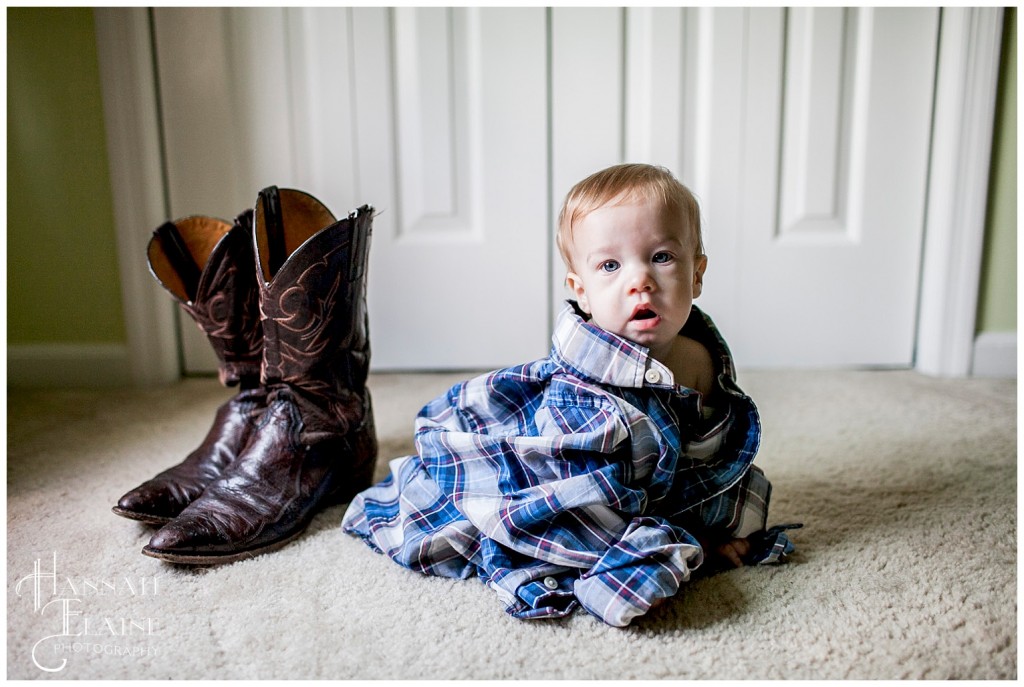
[{"x": 578, "y": 479}]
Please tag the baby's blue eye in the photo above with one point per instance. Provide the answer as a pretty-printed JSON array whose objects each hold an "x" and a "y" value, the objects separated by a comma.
[
  {"x": 609, "y": 266},
  {"x": 662, "y": 257}
]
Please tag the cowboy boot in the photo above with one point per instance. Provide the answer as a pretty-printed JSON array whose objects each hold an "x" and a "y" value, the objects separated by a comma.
[
  {"x": 315, "y": 445},
  {"x": 206, "y": 264}
]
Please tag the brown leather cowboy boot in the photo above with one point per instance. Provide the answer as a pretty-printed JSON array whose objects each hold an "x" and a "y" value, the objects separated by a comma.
[
  {"x": 206, "y": 264},
  {"x": 316, "y": 444}
]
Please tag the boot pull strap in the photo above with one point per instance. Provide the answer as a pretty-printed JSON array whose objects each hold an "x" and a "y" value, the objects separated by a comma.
[
  {"x": 180, "y": 257},
  {"x": 274, "y": 224}
]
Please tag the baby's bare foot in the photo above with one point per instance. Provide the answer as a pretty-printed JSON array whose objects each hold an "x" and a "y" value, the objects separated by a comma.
[{"x": 734, "y": 551}]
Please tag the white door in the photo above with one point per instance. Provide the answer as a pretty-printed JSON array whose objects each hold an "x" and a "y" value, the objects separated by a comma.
[
  {"x": 815, "y": 181},
  {"x": 451, "y": 122},
  {"x": 436, "y": 117},
  {"x": 803, "y": 132}
]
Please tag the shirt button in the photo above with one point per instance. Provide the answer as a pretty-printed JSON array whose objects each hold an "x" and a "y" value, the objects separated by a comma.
[
  {"x": 652, "y": 376},
  {"x": 550, "y": 583}
]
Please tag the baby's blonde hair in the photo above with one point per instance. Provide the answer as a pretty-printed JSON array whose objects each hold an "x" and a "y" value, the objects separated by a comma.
[{"x": 628, "y": 183}]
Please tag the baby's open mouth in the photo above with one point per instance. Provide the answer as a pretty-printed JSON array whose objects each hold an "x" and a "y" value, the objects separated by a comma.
[{"x": 644, "y": 314}]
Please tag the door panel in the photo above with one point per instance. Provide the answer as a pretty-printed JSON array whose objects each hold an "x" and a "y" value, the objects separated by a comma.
[
  {"x": 451, "y": 113},
  {"x": 804, "y": 134},
  {"x": 833, "y": 185}
]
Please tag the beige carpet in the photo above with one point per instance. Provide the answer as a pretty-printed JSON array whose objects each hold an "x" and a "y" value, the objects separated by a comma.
[{"x": 906, "y": 567}]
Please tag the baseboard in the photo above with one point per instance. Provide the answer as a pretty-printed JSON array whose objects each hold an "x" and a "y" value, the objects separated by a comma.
[
  {"x": 49, "y": 366},
  {"x": 995, "y": 355}
]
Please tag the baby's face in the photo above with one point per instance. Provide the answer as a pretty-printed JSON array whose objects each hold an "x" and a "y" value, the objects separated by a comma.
[{"x": 635, "y": 273}]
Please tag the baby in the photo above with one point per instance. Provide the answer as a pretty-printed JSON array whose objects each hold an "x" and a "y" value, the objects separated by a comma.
[{"x": 604, "y": 474}]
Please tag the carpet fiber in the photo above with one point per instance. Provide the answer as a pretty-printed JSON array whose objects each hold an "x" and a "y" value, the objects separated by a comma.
[{"x": 906, "y": 566}]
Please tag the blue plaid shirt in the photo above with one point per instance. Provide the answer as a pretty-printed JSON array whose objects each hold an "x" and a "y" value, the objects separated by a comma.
[{"x": 578, "y": 479}]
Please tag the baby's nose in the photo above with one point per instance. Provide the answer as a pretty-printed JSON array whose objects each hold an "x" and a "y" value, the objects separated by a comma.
[{"x": 641, "y": 280}]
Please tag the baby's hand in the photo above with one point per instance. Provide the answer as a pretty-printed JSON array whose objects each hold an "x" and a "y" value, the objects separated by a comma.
[{"x": 734, "y": 551}]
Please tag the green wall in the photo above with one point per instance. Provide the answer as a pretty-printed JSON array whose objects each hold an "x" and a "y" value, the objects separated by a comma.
[
  {"x": 62, "y": 274},
  {"x": 997, "y": 300}
]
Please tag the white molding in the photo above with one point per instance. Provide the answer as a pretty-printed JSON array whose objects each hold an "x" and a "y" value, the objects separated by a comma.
[
  {"x": 582, "y": 41},
  {"x": 968, "y": 72},
  {"x": 62, "y": 366},
  {"x": 655, "y": 100},
  {"x": 995, "y": 355},
  {"x": 133, "y": 145}
]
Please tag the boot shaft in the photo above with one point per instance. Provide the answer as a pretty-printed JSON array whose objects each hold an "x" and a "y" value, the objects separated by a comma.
[
  {"x": 312, "y": 285},
  {"x": 206, "y": 264}
]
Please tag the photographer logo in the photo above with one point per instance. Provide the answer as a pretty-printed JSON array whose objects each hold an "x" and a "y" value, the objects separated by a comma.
[{"x": 63, "y": 601}]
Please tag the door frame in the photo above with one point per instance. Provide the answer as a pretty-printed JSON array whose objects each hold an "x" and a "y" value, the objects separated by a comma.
[
  {"x": 962, "y": 125},
  {"x": 138, "y": 186},
  {"x": 966, "y": 83}
]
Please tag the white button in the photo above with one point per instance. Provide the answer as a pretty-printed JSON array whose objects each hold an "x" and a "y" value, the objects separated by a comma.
[
  {"x": 550, "y": 583},
  {"x": 652, "y": 376}
]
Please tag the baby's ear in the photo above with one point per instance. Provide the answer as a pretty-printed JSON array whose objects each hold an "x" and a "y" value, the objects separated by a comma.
[
  {"x": 576, "y": 286},
  {"x": 699, "y": 265}
]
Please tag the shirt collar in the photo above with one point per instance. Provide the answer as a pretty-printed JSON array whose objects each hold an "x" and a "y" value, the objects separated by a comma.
[{"x": 598, "y": 355}]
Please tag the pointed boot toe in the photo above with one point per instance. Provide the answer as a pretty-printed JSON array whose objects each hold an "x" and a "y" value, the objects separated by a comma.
[
  {"x": 170, "y": 539},
  {"x": 147, "y": 504},
  {"x": 233, "y": 520},
  {"x": 190, "y": 539}
]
